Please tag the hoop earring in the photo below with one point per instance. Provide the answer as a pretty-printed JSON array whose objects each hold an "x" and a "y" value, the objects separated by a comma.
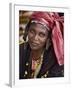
[{"x": 48, "y": 43}]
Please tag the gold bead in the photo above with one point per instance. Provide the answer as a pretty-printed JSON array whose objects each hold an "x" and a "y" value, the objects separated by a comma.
[
  {"x": 26, "y": 72},
  {"x": 47, "y": 72},
  {"x": 27, "y": 64},
  {"x": 45, "y": 75}
]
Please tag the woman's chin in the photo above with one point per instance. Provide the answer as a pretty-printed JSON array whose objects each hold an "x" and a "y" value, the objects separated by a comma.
[{"x": 34, "y": 48}]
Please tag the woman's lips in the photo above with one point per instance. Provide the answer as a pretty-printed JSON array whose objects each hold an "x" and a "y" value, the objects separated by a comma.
[{"x": 34, "y": 44}]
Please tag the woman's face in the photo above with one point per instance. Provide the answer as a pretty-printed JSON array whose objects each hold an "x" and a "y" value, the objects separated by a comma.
[{"x": 37, "y": 36}]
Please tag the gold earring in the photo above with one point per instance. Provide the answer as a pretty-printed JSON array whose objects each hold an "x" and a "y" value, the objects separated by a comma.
[{"x": 47, "y": 44}]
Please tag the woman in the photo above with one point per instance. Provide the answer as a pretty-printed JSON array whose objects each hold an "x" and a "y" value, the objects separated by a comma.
[{"x": 42, "y": 56}]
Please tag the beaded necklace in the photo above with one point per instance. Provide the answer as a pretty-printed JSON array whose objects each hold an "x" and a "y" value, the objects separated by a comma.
[{"x": 36, "y": 66}]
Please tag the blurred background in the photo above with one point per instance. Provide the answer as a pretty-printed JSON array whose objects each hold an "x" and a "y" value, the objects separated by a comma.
[{"x": 23, "y": 20}]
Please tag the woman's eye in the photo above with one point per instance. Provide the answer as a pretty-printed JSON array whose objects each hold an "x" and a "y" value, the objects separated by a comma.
[
  {"x": 41, "y": 35},
  {"x": 32, "y": 31}
]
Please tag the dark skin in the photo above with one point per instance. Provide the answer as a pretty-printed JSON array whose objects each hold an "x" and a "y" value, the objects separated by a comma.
[{"x": 37, "y": 36}]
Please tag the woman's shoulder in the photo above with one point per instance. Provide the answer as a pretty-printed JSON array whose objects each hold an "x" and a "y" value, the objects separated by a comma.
[
  {"x": 23, "y": 45},
  {"x": 57, "y": 71},
  {"x": 24, "y": 48}
]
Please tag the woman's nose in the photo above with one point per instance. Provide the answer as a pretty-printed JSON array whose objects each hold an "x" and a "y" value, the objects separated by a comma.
[{"x": 36, "y": 37}]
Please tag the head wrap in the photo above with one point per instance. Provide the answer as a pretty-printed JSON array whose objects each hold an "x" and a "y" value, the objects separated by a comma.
[{"x": 56, "y": 23}]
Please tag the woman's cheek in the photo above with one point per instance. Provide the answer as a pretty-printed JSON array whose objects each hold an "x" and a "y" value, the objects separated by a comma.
[
  {"x": 43, "y": 41},
  {"x": 30, "y": 35}
]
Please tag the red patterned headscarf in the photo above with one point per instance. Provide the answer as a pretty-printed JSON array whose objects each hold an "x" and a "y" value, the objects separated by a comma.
[{"x": 56, "y": 23}]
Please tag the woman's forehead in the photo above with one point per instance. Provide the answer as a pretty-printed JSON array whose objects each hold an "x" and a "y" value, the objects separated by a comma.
[{"x": 38, "y": 26}]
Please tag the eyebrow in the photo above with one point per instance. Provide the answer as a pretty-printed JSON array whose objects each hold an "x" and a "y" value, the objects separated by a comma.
[{"x": 41, "y": 32}]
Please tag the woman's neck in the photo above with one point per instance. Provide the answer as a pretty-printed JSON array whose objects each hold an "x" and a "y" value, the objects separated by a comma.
[{"x": 36, "y": 54}]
